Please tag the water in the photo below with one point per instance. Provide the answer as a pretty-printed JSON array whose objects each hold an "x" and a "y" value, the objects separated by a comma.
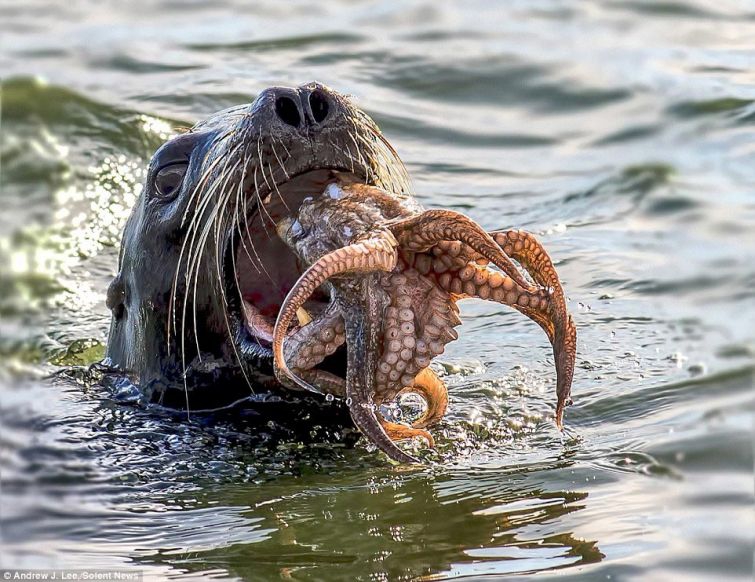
[{"x": 620, "y": 132}]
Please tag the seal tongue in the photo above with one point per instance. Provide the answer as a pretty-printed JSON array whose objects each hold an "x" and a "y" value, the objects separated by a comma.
[{"x": 363, "y": 331}]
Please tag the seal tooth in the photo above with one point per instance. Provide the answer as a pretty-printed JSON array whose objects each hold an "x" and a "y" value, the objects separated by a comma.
[{"x": 303, "y": 316}]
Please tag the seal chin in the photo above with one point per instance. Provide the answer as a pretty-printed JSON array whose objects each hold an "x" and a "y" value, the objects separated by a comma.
[{"x": 260, "y": 268}]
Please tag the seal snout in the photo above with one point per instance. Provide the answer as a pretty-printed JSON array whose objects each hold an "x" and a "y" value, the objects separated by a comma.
[{"x": 304, "y": 108}]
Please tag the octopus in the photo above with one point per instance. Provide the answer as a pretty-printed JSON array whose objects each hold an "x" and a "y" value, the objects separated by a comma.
[{"x": 393, "y": 274}]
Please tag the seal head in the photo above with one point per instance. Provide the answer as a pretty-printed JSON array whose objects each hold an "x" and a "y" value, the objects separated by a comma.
[{"x": 202, "y": 274}]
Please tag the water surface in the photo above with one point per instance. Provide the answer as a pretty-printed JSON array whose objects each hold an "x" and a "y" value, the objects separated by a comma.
[{"x": 620, "y": 132}]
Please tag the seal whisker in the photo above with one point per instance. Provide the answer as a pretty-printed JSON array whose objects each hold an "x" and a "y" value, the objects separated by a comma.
[
  {"x": 260, "y": 157},
  {"x": 278, "y": 190},
  {"x": 204, "y": 198},
  {"x": 261, "y": 204},
  {"x": 219, "y": 223},
  {"x": 211, "y": 221},
  {"x": 397, "y": 178},
  {"x": 288, "y": 152},
  {"x": 282, "y": 166},
  {"x": 240, "y": 198},
  {"x": 195, "y": 253},
  {"x": 367, "y": 168},
  {"x": 377, "y": 153},
  {"x": 200, "y": 186},
  {"x": 249, "y": 234},
  {"x": 251, "y": 243},
  {"x": 347, "y": 153}
]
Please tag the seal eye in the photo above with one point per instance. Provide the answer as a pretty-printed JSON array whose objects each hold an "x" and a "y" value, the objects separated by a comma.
[{"x": 168, "y": 180}]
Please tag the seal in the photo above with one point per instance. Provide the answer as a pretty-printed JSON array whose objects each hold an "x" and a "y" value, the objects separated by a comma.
[
  {"x": 278, "y": 245},
  {"x": 200, "y": 268}
]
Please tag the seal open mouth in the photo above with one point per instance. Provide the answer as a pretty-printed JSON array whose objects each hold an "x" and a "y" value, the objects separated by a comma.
[{"x": 263, "y": 269}]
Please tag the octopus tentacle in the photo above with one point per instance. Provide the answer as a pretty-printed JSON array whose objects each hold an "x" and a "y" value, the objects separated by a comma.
[
  {"x": 434, "y": 391},
  {"x": 377, "y": 254},
  {"x": 482, "y": 282},
  {"x": 362, "y": 341},
  {"x": 328, "y": 382},
  {"x": 547, "y": 307},
  {"x": 400, "y": 432},
  {"x": 335, "y": 385},
  {"x": 418, "y": 323},
  {"x": 307, "y": 346},
  {"x": 420, "y": 233},
  {"x": 526, "y": 249}
]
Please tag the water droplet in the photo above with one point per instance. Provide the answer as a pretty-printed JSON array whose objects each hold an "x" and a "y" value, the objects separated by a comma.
[
  {"x": 348, "y": 401},
  {"x": 329, "y": 397}
]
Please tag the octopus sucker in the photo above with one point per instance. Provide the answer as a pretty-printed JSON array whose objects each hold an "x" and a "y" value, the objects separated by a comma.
[{"x": 394, "y": 276}]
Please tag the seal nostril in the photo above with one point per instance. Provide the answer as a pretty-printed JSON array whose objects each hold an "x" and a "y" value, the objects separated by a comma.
[
  {"x": 318, "y": 103},
  {"x": 287, "y": 110}
]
